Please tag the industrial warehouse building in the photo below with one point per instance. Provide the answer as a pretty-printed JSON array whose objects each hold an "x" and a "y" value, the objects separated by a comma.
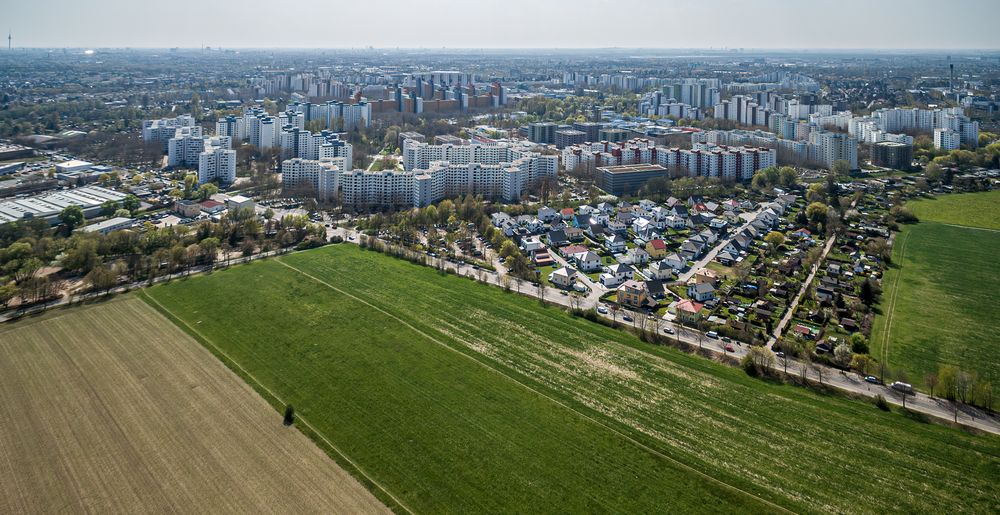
[{"x": 49, "y": 205}]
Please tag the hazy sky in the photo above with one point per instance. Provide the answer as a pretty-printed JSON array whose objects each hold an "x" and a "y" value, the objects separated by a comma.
[{"x": 924, "y": 24}]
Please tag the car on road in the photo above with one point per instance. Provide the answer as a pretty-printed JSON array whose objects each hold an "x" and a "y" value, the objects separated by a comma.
[
  {"x": 727, "y": 339},
  {"x": 873, "y": 380},
  {"x": 712, "y": 334},
  {"x": 668, "y": 330},
  {"x": 729, "y": 348},
  {"x": 627, "y": 318},
  {"x": 602, "y": 310},
  {"x": 779, "y": 354},
  {"x": 900, "y": 386}
]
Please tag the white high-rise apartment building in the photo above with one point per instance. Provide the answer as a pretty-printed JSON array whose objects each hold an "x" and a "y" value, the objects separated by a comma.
[
  {"x": 163, "y": 129},
  {"x": 184, "y": 147},
  {"x": 829, "y": 147},
  {"x": 263, "y": 132},
  {"x": 321, "y": 176},
  {"x": 217, "y": 162},
  {"x": 233, "y": 126},
  {"x": 947, "y": 139},
  {"x": 706, "y": 159},
  {"x": 897, "y": 120},
  {"x": 295, "y": 142},
  {"x": 419, "y": 155}
]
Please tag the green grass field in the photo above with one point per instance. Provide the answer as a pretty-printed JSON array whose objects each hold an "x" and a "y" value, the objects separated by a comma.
[
  {"x": 939, "y": 299},
  {"x": 458, "y": 397},
  {"x": 969, "y": 209}
]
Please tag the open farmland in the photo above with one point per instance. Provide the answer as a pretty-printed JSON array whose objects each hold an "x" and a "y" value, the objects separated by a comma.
[
  {"x": 457, "y": 397},
  {"x": 112, "y": 409},
  {"x": 968, "y": 209},
  {"x": 939, "y": 297}
]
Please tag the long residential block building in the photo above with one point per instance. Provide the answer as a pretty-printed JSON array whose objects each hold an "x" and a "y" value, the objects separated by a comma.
[
  {"x": 502, "y": 171},
  {"x": 704, "y": 159}
]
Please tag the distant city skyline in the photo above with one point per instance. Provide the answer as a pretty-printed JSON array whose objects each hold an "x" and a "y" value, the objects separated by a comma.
[{"x": 758, "y": 25}]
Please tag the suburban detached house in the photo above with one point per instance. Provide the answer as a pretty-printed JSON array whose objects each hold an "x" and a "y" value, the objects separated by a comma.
[
  {"x": 535, "y": 225},
  {"x": 542, "y": 257},
  {"x": 636, "y": 256},
  {"x": 606, "y": 208},
  {"x": 701, "y": 292},
  {"x": 657, "y": 248},
  {"x": 726, "y": 258},
  {"x": 688, "y": 311},
  {"x": 615, "y": 243},
  {"x": 690, "y": 250},
  {"x": 708, "y": 236},
  {"x": 616, "y": 274},
  {"x": 675, "y": 222},
  {"x": 660, "y": 270},
  {"x": 634, "y": 293},
  {"x": 531, "y": 244},
  {"x": 563, "y": 277},
  {"x": 557, "y": 238},
  {"x": 547, "y": 214},
  {"x": 567, "y": 213},
  {"x": 574, "y": 233},
  {"x": 569, "y": 250},
  {"x": 676, "y": 262},
  {"x": 617, "y": 227},
  {"x": 587, "y": 261},
  {"x": 643, "y": 227},
  {"x": 706, "y": 275},
  {"x": 499, "y": 219}
]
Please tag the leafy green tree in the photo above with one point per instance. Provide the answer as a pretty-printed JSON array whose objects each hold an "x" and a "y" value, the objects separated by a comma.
[
  {"x": 774, "y": 239},
  {"x": 816, "y": 212},
  {"x": 206, "y": 190},
  {"x": 840, "y": 168},
  {"x": 131, "y": 203},
  {"x": 868, "y": 293},
  {"x": 71, "y": 217},
  {"x": 109, "y": 207}
]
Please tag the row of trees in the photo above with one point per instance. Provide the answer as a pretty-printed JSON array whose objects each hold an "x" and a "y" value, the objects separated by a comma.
[{"x": 132, "y": 255}]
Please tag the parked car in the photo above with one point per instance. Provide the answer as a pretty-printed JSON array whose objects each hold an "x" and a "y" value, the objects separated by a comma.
[
  {"x": 627, "y": 318},
  {"x": 712, "y": 334},
  {"x": 602, "y": 310},
  {"x": 668, "y": 330},
  {"x": 729, "y": 347},
  {"x": 873, "y": 380},
  {"x": 779, "y": 354}
]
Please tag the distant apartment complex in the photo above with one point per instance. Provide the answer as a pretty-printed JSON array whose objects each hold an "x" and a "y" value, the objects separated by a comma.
[
  {"x": 705, "y": 159},
  {"x": 431, "y": 173},
  {"x": 163, "y": 129}
]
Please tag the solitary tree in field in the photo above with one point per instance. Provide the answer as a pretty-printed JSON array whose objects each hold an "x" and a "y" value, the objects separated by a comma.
[{"x": 289, "y": 415}]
